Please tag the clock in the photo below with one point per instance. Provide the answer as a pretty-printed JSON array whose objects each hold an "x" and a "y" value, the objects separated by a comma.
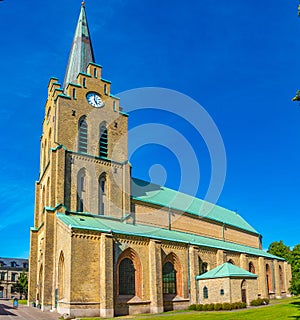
[{"x": 94, "y": 100}]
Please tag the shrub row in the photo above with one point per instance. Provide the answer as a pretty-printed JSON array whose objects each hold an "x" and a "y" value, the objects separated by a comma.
[
  {"x": 217, "y": 306},
  {"x": 259, "y": 302}
]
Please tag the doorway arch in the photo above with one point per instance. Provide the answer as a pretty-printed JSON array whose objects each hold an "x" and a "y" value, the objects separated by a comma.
[{"x": 244, "y": 291}]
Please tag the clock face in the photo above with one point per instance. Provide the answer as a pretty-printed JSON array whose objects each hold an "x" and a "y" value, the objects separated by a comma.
[{"x": 94, "y": 100}]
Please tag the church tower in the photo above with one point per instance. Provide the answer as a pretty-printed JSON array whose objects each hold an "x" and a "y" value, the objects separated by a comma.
[{"x": 83, "y": 162}]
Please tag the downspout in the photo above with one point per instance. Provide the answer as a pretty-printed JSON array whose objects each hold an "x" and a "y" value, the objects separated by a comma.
[{"x": 189, "y": 273}]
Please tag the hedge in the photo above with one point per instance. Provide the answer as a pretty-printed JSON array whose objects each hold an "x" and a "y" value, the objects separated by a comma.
[{"x": 217, "y": 306}]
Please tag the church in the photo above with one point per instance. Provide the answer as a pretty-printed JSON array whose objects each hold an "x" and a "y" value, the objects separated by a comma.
[{"x": 107, "y": 244}]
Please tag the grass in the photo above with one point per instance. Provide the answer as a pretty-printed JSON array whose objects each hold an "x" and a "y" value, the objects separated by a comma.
[
  {"x": 285, "y": 309},
  {"x": 21, "y": 302}
]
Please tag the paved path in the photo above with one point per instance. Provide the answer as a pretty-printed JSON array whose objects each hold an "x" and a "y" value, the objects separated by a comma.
[{"x": 7, "y": 312}]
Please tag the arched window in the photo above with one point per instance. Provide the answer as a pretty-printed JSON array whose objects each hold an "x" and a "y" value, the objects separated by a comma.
[
  {"x": 105, "y": 88},
  {"x": 202, "y": 266},
  {"x": 81, "y": 190},
  {"x": 129, "y": 274},
  {"x": 61, "y": 276},
  {"x": 40, "y": 285},
  {"x": 230, "y": 261},
  {"x": 126, "y": 277},
  {"x": 103, "y": 141},
  {"x": 251, "y": 267},
  {"x": 205, "y": 293},
  {"x": 48, "y": 192},
  {"x": 114, "y": 106},
  {"x": 45, "y": 153},
  {"x": 102, "y": 195},
  {"x": 281, "y": 279},
  {"x": 269, "y": 278},
  {"x": 82, "y": 135},
  {"x": 169, "y": 278}
]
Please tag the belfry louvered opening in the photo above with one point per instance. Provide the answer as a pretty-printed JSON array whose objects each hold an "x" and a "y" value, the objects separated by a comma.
[
  {"x": 82, "y": 135},
  {"x": 103, "y": 141}
]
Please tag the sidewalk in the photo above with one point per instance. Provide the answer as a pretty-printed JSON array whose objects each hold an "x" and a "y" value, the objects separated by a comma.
[{"x": 23, "y": 312}]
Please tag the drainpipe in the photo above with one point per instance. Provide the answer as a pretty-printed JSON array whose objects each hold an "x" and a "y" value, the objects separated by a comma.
[{"x": 189, "y": 272}]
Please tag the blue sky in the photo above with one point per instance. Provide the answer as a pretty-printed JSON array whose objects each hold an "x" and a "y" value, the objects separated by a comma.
[{"x": 238, "y": 59}]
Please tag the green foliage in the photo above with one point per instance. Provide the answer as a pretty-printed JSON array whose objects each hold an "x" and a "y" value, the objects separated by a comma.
[
  {"x": 218, "y": 306},
  {"x": 199, "y": 307},
  {"x": 293, "y": 257},
  {"x": 226, "y": 306},
  {"x": 192, "y": 307},
  {"x": 210, "y": 307},
  {"x": 22, "y": 285},
  {"x": 279, "y": 249},
  {"x": 259, "y": 302}
]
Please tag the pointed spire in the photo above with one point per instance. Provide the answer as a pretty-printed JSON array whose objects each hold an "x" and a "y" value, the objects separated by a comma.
[{"x": 81, "y": 53}]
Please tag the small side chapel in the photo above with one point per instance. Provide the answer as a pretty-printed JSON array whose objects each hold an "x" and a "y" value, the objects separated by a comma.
[{"x": 106, "y": 244}]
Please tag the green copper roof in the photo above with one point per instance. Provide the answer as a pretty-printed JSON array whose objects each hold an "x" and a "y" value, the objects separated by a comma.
[
  {"x": 105, "y": 224},
  {"x": 81, "y": 53},
  {"x": 165, "y": 197},
  {"x": 226, "y": 270}
]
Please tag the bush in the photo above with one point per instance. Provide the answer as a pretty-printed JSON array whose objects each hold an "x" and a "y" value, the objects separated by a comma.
[
  {"x": 222, "y": 306},
  {"x": 192, "y": 307},
  {"x": 210, "y": 307},
  {"x": 218, "y": 306},
  {"x": 259, "y": 302},
  {"x": 204, "y": 307},
  {"x": 226, "y": 306},
  {"x": 199, "y": 307}
]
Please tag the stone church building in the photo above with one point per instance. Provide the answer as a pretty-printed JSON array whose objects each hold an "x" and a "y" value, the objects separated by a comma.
[{"x": 106, "y": 244}]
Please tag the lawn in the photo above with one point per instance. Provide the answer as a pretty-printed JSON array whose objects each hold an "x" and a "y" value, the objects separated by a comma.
[{"x": 284, "y": 309}]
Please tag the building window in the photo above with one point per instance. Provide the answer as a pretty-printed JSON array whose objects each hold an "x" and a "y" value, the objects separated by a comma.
[
  {"x": 13, "y": 264},
  {"x": 269, "y": 279},
  {"x": 95, "y": 72},
  {"x": 281, "y": 279},
  {"x": 105, "y": 88},
  {"x": 103, "y": 141},
  {"x": 102, "y": 195},
  {"x": 81, "y": 189},
  {"x": 202, "y": 266},
  {"x": 2, "y": 276},
  {"x": 84, "y": 82},
  {"x": 251, "y": 267},
  {"x": 114, "y": 106},
  {"x": 222, "y": 292},
  {"x": 205, "y": 293},
  {"x": 61, "y": 276},
  {"x": 169, "y": 278},
  {"x": 230, "y": 261},
  {"x": 82, "y": 135},
  {"x": 74, "y": 93},
  {"x": 126, "y": 277},
  {"x": 13, "y": 277}
]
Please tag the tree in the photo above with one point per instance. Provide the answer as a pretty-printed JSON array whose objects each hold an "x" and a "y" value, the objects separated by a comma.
[
  {"x": 279, "y": 249},
  {"x": 22, "y": 285},
  {"x": 293, "y": 258}
]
